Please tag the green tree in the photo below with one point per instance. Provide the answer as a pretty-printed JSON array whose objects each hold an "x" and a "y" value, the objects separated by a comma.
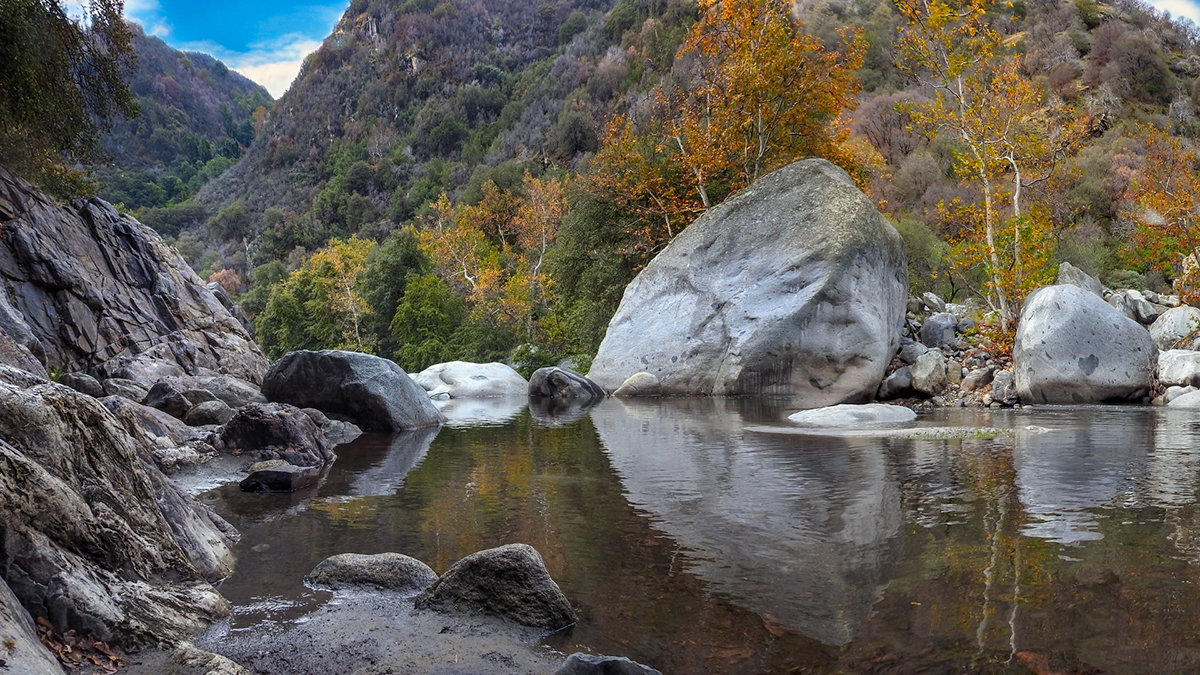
[{"x": 62, "y": 81}]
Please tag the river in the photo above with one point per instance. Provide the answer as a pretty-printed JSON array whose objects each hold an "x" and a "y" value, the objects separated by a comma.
[{"x": 705, "y": 535}]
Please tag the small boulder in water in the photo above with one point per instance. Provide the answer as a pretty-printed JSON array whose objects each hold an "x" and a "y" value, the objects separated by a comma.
[
  {"x": 389, "y": 571},
  {"x": 851, "y": 414}
]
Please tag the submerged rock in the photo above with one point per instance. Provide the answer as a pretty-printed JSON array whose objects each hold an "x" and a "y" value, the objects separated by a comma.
[
  {"x": 509, "y": 581},
  {"x": 374, "y": 393},
  {"x": 388, "y": 571},
  {"x": 94, "y": 536},
  {"x": 460, "y": 379},
  {"x": 285, "y": 478},
  {"x": 1072, "y": 347},
  {"x": 591, "y": 664},
  {"x": 794, "y": 286},
  {"x": 853, "y": 414}
]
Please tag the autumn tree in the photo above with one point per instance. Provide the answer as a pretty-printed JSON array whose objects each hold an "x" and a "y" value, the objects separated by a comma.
[
  {"x": 1162, "y": 206},
  {"x": 764, "y": 94},
  {"x": 1008, "y": 138}
]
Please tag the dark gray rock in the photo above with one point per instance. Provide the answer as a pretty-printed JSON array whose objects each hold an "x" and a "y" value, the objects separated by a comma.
[
  {"x": 509, "y": 581},
  {"x": 286, "y": 478},
  {"x": 370, "y": 391},
  {"x": 136, "y": 417},
  {"x": 794, "y": 286},
  {"x": 591, "y": 664},
  {"x": 119, "y": 386},
  {"x": 82, "y": 383},
  {"x": 18, "y": 356},
  {"x": 897, "y": 385},
  {"x": 1072, "y": 347},
  {"x": 22, "y": 653},
  {"x": 564, "y": 387},
  {"x": 388, "y": 571},
  {"x": 175, "y": 397},
  {"x": 939, "y": 329},
  {"x": 910, "y": 349},
  {"x": 13, "y": 324},
  {"x": 337, "y": 431},
  {"x": 102, "y": 293},
  {"x": 208, "y": 412},
  {"x": 966, "y": 325},
  {"x": 95, "y": 537},
  {"x": 1070, "y": 274},
  {"x": 277, "y": 431},
  {"x": 234, "y": 392}
]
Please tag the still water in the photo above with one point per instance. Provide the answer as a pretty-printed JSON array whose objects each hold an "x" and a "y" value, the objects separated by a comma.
[{"x": 698, "y": 535}]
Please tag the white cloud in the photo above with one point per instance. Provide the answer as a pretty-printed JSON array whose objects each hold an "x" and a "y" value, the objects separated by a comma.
[
  {"x": 148, "y": 13},
  {"x": 274, "y": 67}
]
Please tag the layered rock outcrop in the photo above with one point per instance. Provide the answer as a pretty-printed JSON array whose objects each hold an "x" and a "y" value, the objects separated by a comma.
[
  {"x": 95, "y": 290},
  {"x": 795, "y": 286}
]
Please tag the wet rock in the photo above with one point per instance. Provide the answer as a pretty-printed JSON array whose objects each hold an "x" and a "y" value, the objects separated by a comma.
[
  {"x": 929, "y": 373},
  {"x": 460, "y": 379},
  {"x": 591, "y": 664},
  {"x": 896, "y": 385},
  {"x": 1004, "y": 388},
  {"x": 22, "y": 653},
  {"x": 564, "y": 387},
  {"x": 388, "y": 571},
  {"x": 208, "y": 412},
  {"x": 286, "y": 478},
  {"x": 1177, "y": 328},
  {"x": 852, "y": 415},
  {"x": 102, "y": 293},
  {"x": 277, "y": 431},
  {"x": 372, "y": 392},
  {"x": 794, "y": 286},
  {"x": 1070, "y": 274},
  {"x": 639, "y": 384},
  {"x": 1071, "y": 347},
  {"x": 82, "y": 383},
  {"x": 939, "y": 329},
  {"x": 96, "y": 538},
  {"x": 509, "y": 581},
  {"x": 119, "y": 386}
]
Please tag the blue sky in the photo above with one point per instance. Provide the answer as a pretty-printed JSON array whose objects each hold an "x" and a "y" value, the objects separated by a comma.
[{"x": 265, "y": 40}]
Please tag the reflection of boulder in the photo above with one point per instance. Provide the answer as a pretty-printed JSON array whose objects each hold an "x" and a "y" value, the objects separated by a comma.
[
  {"x": 803, "y": 535},
  {"x": 385, "y": 475},
  {"x": 1173, "y": 468},
  {"x": 551, "y": 412},
  {"x": 477, "y": 411},
  {"x": 1063, "y": 474}
]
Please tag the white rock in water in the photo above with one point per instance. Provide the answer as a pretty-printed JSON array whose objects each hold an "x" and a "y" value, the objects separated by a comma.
[{"x": 849, "y": 414}]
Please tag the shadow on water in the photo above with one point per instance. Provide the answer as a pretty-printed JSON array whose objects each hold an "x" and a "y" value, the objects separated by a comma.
[{"x": 689, "y": 540}]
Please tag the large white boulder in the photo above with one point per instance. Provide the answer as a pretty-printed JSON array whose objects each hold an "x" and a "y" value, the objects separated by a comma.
[
  {"x": 852, "y": 415},
  {"x": 795, "y": 286},
  {"x": 1072, "y": 347},
  {"x": 1178, "y": 327},
  {"x": 1179, "y": 367},
  {"x": 460, "y": 379}
]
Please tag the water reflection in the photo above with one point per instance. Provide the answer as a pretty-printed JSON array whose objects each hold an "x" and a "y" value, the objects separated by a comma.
[
  {"x": 496, "y": 410},
  {"x": 798, "y": 528}
]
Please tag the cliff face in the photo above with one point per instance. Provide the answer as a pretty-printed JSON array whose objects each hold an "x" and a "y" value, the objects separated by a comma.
[{"x": 100, "y": 292}]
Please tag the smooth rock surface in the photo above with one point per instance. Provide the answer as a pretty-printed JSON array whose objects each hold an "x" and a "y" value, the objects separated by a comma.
[
  {"x": 853, "y": 414},
  {"x": 460, "y": 379},
  {"x": 794, "y": 286},
  {"x": 388, "y": 571},
  {"x": 286, "y": 478},
  {"x": 208, "y": 412},
  {"x": 95, "y": 537},
  {"x": 370, "y": 391},
  {"x": 1072, "y": 347},
  {"x": 1070, "y": 274},
  {"x": 639, "y": 384},
  {"x": 1177, "y": 328},
  {"x": 1134, "y": 305},
  {"x": 509, "y": 581},
  {"x": 99, "y": 290},
  {"x": 1179, "y": 367},
  {"x": 82, "y": 383},
  {"x": 564, "y": 387},
  {"x": 119, "y": 386},
  {"x": 1190, "y": 400},
  {"x": 277, "y": 431}
]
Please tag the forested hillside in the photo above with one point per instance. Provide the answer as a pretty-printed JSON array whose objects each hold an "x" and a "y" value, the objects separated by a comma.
[
  {"x": 196, "y": 119},
  {"x": 454, "y": 179}
]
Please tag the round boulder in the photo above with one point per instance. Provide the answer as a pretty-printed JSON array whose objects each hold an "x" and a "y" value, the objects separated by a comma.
[
  {"x": 939, "y": 329},
  {"x": 373, "y": 392},
  {"x": 852, "y": 415},
  {"x": 794, "y": 286},
  {"x": 1072, "y": 347},
  {"x": 639, "y": 384},
  {"x": 277, "y": 431},
  {"x": 1177, "y": 328},
  {"x": 1179, "y": 367},
  {"x": 460, "y": 379},
  {"x": 208, "y": 412},
  {"x": 593, "y": 664},
  {"x": 509, "y": 581},
  {"x": 389, "y": 571},
  {"x": 564, "y": 386}
]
